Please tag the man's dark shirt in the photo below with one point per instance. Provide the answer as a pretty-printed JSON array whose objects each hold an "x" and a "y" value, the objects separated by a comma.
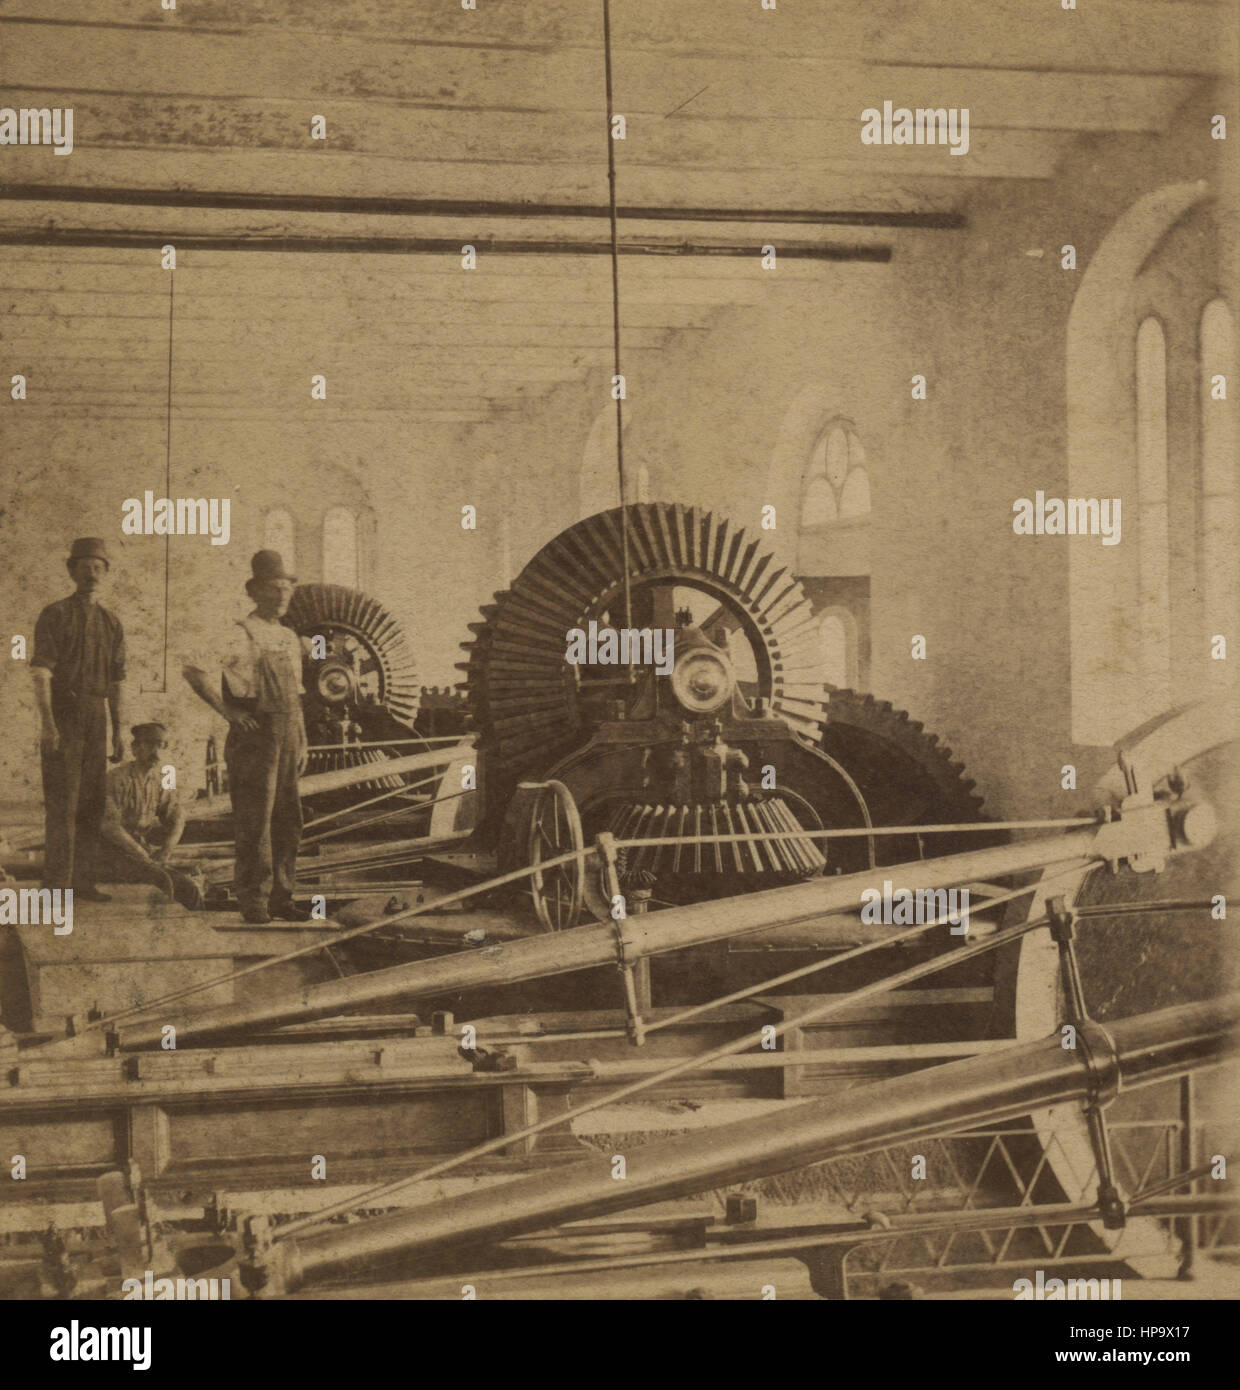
[{"x": 82, "y": 645}]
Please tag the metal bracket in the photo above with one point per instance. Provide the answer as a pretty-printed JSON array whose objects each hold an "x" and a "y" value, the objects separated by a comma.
[
  {"x": 1140, "y": 833},
  {"x": 501, "y": 1060},
  {"x": 256, "y": 1245},
  {"x": 633, "y": 1017},
  {"x": 607, "y": 853},
  {"x": 1101, "y": 1059}
]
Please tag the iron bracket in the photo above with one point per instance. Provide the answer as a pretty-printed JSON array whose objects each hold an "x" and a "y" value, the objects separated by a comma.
[
  {"x": 624, "y": 944},
  {"x": 1101, "y": 1059}
]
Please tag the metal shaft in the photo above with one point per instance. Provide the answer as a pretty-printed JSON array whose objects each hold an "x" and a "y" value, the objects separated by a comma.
[
  {"x": 580, "y": 948},
  {"x": 220, "y": 807},
  {"x": 990, "y": 1088}
]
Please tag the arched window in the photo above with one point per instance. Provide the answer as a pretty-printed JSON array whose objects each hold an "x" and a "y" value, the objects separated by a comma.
[
  {"x": 1122, "y": 377},
  {"x": 1154, "y": 592},
  {"x": 340, "y": 548},
  {"x": 643, "y": 484},
  {"x": 836, "y": 486},
  {"x": 279, "y": 534},
  {"x": 1220, "y": 449}
]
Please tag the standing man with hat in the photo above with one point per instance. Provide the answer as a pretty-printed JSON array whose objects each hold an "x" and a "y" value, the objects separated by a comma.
[
  {"x": 79, "y": 673},
  {"x": 265, "y": 752}
]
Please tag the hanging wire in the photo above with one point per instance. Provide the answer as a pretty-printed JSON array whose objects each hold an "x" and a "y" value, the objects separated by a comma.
[
  {"x": 172, "y": 279},
  {"x": 615, "y": 334}
]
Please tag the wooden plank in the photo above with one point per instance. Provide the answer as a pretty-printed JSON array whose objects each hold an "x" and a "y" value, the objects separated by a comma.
[
  {"x": 477, "y": 317},
  {"x": 511, "y": 291},
  {"x": 790, "y": 90},
  {"x": 1116, "y": 36},
  {"x": 432, "y": 89},
  {"x": 1146, "y": 36},
  {"x": 400, "y": 135},
  {"x": 292, "y": 276},
  {"x": 743, "y": 170}
]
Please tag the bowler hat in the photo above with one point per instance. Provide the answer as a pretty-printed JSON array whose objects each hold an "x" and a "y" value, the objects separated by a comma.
[
  {"x": 154, "y": 730},
  {"x": 268, "y": 564},
  {"x": 90, "y": 548}
]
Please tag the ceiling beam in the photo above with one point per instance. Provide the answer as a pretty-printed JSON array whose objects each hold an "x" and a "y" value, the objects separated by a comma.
[
  {"x": 414, "y": 245},
  {"x": 469, "y": 209}
]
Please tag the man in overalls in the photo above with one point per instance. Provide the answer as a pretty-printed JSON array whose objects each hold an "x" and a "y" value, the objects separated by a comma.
[
  {"x": 79, "y": 673},
  {"x": 265, "y": 752}
]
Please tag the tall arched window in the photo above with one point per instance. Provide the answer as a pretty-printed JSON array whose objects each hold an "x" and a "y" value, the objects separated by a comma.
[
  {"x": 643, "y": 484},
  {"x": 340, "y": 548},
  {"x": 1122, "y": 377},
  {"x": 279, "y": 534},
  {"x": 836, "y": 484},
  {"x": 1154, "y": 591},
  {"x": 1220, "y": 449},
  {"x": 833, "y": 551}
]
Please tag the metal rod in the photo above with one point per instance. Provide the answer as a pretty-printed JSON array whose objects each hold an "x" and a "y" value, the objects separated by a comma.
[
  {"x": 857, "y": 832},
  {"x": 749, "y": 1061},
  {"x": 614, "y": 249},
  {"x": 220, "y": 807},
  {"x": 361, "y": 805},
  {"x": 815, "y": 966},
  {"x": 940, "y": 1100},
  {"x": 385, "y": 743},
  {"x": 836, "y": 1004},
  {"x": 1181, "y": 1179},
  {"x": 1131, "y": 909},
  {"x": 737, "y": 1243},
  {"x": 578, "y": 948},
  {"x": 1187, "y": 1157},
  {"x": 69, "y": 1044}
]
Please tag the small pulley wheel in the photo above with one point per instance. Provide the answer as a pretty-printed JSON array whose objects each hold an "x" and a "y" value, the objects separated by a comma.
[{"x": 555, "y": 829}]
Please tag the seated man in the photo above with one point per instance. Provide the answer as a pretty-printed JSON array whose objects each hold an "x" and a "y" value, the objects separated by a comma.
[{"x": 143, "y": 820}]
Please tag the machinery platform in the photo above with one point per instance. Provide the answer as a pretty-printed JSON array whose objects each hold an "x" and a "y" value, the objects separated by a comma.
[{"x": 139, "y": 947}]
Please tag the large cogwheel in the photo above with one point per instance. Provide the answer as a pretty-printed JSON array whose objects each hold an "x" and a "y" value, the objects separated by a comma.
[
  {"x": 907, "y": 777},
  {"x": 522, "y": 695}
]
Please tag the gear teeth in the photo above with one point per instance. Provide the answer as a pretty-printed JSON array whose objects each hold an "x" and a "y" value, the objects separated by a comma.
[
  {"x": 348, "y": 612},
  {"x": 513, "y": 664},
  {"x": 944, "y": 776}
]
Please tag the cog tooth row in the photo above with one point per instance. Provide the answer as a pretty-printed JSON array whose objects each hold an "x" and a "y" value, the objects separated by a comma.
[{"x": 515, "y": 663}]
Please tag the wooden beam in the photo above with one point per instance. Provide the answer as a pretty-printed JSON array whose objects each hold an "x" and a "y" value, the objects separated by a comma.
[
  {"x": 473, "y": 212},
  {"x": 297, "y": 39}
]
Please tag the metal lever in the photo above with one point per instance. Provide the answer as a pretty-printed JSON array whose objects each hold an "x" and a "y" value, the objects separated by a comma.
[
  {"x": 1101, "y": 1061},
  {"x": 611, "y": 877}
]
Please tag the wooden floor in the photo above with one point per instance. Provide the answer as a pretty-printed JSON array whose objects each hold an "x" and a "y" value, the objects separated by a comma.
[{"x": 139, "y": 947}]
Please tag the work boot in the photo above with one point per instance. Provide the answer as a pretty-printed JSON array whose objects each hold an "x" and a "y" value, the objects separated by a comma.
[
  {"x": 288, "y": 911},
  {"x": 186, "y": 891},
  {"x": 256, "y": 916}
]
